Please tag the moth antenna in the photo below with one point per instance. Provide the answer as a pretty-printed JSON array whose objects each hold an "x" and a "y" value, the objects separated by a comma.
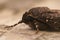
[{"x": 16, "y": 23}]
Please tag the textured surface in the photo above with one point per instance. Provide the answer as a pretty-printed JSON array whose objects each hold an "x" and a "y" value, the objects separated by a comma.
[{"x": 22, "y": 32}]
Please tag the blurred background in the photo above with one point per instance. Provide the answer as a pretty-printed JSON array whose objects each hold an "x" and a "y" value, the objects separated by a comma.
[{"x": 11, "y": 11}]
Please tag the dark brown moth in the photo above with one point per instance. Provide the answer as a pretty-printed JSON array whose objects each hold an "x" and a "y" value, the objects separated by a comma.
[{"x": 41, "y": 18}]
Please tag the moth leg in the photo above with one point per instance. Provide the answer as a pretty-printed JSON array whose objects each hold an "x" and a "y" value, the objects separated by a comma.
[
  {"x": 33, "y": 26},
  {"x": 37, "y": 27}
]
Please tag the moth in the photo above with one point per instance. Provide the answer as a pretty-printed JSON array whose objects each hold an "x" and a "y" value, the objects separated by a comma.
[{"x": 41, "y": 18}]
